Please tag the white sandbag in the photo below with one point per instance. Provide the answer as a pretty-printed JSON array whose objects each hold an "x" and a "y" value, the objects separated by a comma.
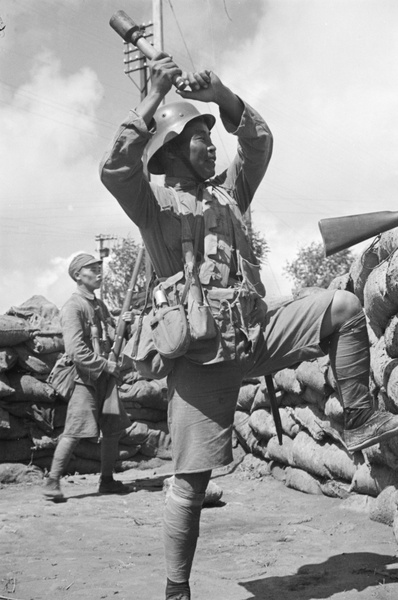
[
  {"x": 339, "y": 463},
  {"x": 312, "y": 374},
  {"x": 379, "y": 307},
  {"x": 308, "y": 455},
  {"x": 392, "y": 390},
  {"x": 335, "y": 489},
  {"x": 383, "y": 401},
  {"x": 286, "y": 380},
  {"x": 280, "y": 453},
  {"x": 302, "y": 481},
  {"x": 246, "y": 396},
  {"x": 262, "y": 423},
  {"x": 381, "y": 363},
  {"x": 384, "y": 509},
  {"x": 372, "y": 479},
  {"x": 289, "y": 425},
  {"x": 360, "y": 270},
  {"x": 246, "y": 436},
  {"x": 392, "y": 279},
  {"x": 262, "y": 400},
  {"x": 309, "y": 418},
  {"x": 388, "y": 243},
  {"x": 334, "y": 409},
  {"x": 391, "y": 337},
  {"x": 385, "y": 454},
  {"x": 19, "y": 473},
  {"x": 341, "y": 282}
]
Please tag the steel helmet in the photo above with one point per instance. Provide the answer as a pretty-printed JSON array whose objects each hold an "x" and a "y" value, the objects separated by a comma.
[{"x": 170, "y": 120}]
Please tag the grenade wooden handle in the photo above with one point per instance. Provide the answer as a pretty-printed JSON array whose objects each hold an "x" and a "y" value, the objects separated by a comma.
[{"x": 133, "y": 34}]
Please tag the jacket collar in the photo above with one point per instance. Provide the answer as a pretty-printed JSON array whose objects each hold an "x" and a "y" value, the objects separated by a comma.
[
  {"x": 82, "y": 292},
  {"x": 187, "y": 184}
]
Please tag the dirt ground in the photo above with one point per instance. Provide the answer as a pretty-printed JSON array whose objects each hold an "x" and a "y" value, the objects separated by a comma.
[{"x": 262, "y": 541}]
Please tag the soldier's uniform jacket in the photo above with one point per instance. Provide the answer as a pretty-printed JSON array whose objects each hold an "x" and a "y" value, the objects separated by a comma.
[
  {"x": 87, "y": 329},
  {"x": 183, "y": 214}
]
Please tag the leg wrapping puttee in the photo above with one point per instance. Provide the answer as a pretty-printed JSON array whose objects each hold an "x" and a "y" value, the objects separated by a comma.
[
  {"x": 181, "y": 531},
  {"x": 350, "y": 362},
  {"x": 62, "y": 455}
]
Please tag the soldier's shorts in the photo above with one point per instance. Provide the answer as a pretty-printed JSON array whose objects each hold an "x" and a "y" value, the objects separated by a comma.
[{"x": 202, "y": 398}]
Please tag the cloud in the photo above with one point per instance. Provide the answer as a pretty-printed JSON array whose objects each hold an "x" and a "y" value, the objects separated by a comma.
[
  {"x": 321, "y": 74},
  {"x": 51, "y": 197}
]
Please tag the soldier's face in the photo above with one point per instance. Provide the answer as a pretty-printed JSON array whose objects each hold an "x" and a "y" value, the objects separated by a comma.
[
  {"x": 90, "y": 276},
  {"x": 196, "y": 142}
]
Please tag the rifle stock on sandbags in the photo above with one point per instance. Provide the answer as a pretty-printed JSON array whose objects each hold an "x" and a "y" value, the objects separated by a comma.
[{"x": 339, "y": 233}]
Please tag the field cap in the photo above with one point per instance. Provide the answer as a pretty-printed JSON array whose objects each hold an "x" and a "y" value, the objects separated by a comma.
[{"x": 80, "y": 261}]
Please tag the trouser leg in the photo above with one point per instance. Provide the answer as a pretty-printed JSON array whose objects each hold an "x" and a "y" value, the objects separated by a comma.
[
  {"x": 350, "y": 363},
  {"x": 62, "y": 455},
  {"x": 181, "y": 528}
]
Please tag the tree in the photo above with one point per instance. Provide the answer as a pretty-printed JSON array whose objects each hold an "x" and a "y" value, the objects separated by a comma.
[
  {"x": 311, "y": 268},
  {"x": 259, "y": 245},
  {"x": 118, "y": 272}
]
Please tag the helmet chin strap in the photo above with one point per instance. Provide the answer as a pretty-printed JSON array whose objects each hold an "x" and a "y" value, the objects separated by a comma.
[{"x": 182, "y": 155}]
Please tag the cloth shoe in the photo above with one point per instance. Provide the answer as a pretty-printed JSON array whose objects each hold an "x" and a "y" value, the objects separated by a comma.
[
  {"x": 378, "y": 428},
  {"x": 177, "y": 591},
  {"x": 113, "y": 487},
  {"x": 52, "y": 489}
]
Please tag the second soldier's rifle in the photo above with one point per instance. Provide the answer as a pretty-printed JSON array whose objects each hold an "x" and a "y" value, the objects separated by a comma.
[
  {"x": 339, "y": 233},
  {"x": 112, "y": 408},
  {"x": 121, "y": 324}
]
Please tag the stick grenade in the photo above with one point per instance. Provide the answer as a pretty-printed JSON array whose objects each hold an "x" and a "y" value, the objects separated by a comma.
[
  {"x": 133, "y": 34},
  {"x": 121, "y": 324},
  {"x": 274, "y": 407}
]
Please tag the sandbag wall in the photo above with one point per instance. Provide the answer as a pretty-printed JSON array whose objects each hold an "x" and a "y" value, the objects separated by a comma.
[
  {"x": 32, "y": 415},
  {"x": 313, "y": 457}
]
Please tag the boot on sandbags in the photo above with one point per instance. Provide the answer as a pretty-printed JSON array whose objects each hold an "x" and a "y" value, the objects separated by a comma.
[{"x": 379, "y": 427}]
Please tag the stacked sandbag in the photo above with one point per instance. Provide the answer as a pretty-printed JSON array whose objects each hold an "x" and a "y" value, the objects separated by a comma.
[
  {"x": 32, "y": 414},
  {"x": 145, "y": 402},
  {"x": 25, "y": 399},
  {"x": 313, "y": 457}
]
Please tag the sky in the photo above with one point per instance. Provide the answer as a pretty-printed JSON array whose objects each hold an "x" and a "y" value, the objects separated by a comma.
[{"x": 323, "y": 74}]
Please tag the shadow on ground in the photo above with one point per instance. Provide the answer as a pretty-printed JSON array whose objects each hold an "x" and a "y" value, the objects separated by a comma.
[{"x": 342, "y": 573}]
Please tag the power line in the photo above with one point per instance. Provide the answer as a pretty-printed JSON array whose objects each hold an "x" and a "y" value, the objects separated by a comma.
[{"x": 182, "y": 35}]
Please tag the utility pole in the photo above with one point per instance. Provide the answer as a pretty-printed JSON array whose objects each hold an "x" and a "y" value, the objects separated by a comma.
[
  {"x": 157, "y": 34},
  {"x": 157, "y": 18},
  {"x": 103, "y": 250}
]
